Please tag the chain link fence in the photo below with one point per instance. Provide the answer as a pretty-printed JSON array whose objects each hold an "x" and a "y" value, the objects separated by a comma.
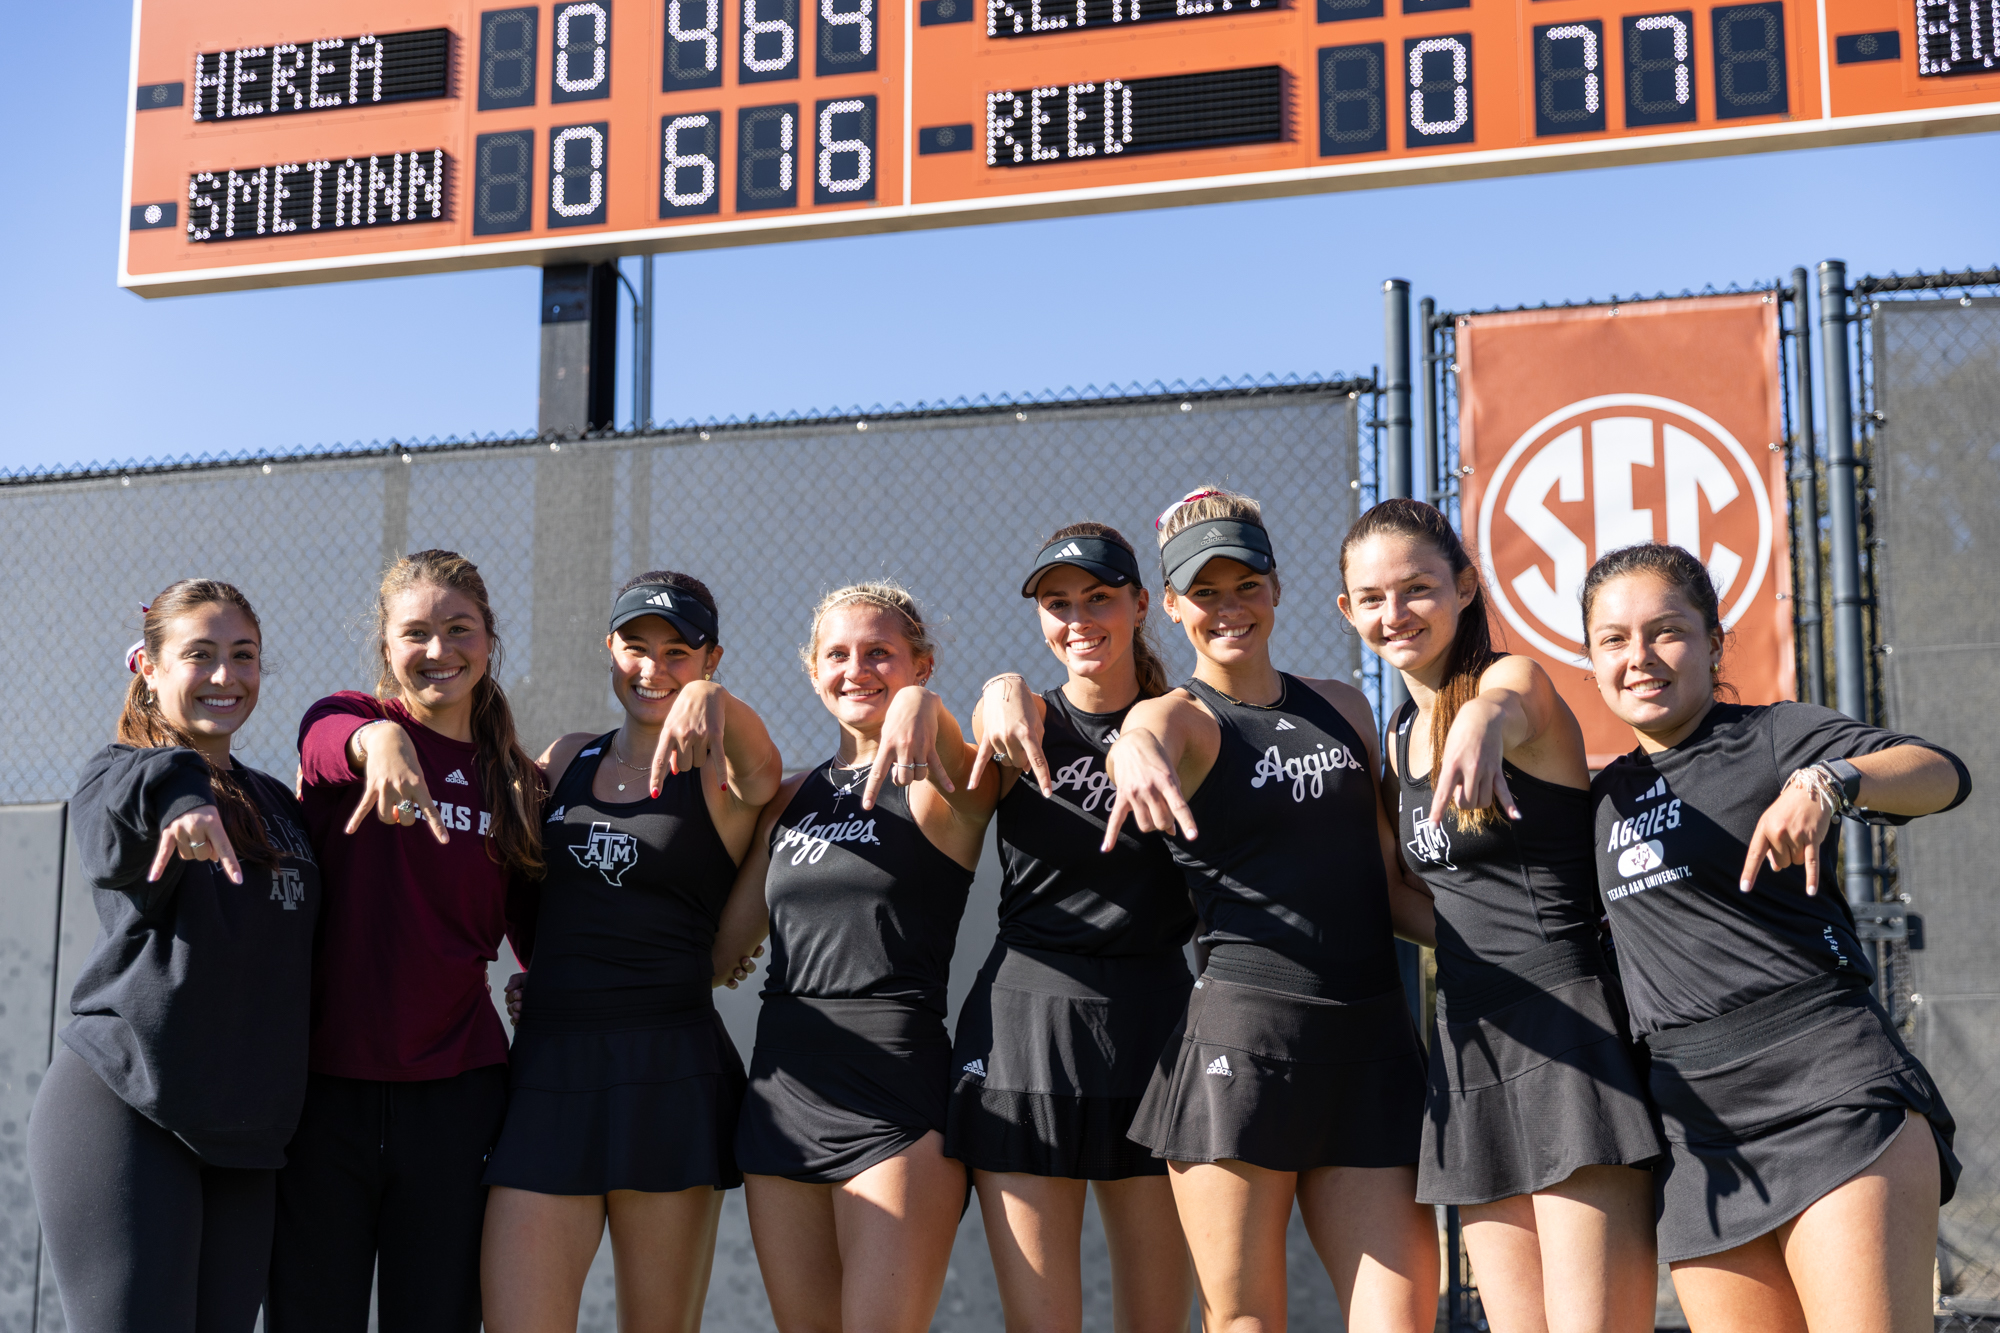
[
  {"x": 1929, "y": 356},
  {"x": 950, "y": 502}
]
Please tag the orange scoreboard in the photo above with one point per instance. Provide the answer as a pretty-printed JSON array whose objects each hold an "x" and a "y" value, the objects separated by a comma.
[{"x": 329, "y": 139}]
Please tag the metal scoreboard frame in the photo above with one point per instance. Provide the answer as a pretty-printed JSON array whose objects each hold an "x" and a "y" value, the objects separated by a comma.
[{"x": 346, "y": 139}]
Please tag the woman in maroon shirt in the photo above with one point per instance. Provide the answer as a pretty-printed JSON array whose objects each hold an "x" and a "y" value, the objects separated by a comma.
[{"x": 421, "y": 806}]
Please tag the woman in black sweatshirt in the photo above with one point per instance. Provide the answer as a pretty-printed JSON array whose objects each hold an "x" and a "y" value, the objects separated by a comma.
[{"x": 158, "y": 1130}]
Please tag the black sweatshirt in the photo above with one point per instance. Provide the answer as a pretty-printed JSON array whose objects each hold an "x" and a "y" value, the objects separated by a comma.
[{"x": 193, "y": 1005}]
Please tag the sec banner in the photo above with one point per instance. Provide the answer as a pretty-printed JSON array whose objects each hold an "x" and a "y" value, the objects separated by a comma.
[{"x": 1587, "y": 429}]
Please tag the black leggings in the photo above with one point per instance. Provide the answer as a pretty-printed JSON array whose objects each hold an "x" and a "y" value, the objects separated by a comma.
[
  {"x": 384, "y": 1182},
  {"x": 142, "y": 1235}
]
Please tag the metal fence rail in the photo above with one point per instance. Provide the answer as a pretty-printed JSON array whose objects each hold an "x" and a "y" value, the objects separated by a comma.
[{"x": 1927, "y": 355}]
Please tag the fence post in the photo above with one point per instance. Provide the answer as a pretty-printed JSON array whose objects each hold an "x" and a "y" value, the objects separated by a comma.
[
  {"x": 1396, "y": 376},
  {"x": 1424, "y": 467},
  {"x": 1850, "y": 650},
  {"x": 1806, "y": 473}
]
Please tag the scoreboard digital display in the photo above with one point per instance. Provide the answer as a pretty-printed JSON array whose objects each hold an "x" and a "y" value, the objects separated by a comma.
[{"x": 330, "y": 139}]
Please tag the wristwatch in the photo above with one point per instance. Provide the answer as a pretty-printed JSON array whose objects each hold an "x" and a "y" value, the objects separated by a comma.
[{"x": 1847, "y": 778}]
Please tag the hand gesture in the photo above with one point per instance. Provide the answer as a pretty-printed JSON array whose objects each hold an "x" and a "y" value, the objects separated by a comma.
[
  {"x": 1788, "y": 834},
  {"x": 196, "y": 836},
  {"x": 1149, "y": 790},
  {"x": 392, "y": 782},
  {"x": 744, "y": 967},
  {"x": 1469, "y": 775},
  {"x": 516, "y": 984},
  {"x": 1012, "y": 732},
  {"x": 692, "y": 735},
  {"x": 907, "y": 751}
]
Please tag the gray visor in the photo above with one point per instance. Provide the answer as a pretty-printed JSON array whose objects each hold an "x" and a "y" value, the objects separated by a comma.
[{"x": 1188, "y": 550}]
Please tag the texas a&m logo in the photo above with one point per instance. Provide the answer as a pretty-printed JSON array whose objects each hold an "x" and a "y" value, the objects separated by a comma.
[{"x": 1614, "y": 471}]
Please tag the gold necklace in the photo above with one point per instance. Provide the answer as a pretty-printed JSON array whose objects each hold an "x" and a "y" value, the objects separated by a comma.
[{"x": 626, "y": 762}]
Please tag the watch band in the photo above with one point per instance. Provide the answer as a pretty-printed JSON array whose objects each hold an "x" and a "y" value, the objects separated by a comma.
[{"x": 1849, "y": 779}]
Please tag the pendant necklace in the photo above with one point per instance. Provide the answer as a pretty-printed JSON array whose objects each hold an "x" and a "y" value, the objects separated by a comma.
[
  {"x": 621, "y": 759},
  {"x": 860, "y": 776}
]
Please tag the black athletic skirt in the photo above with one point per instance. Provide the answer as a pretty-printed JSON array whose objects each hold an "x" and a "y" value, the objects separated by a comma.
[
  {"x": 1287, "y": 1082},
  {"x": 646, "y": 1100},
  {"x": 1054, "y": 1052},
  {"x": 839, "y": 1085},
  {"x": 1532, "y": 1077},
  {"x": 1770, "y": 1107}
]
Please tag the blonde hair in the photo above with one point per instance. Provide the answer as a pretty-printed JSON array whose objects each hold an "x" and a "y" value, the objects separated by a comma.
[
  {"x": 1209, "y": 502},
  {"x": 877, "y": 593}
]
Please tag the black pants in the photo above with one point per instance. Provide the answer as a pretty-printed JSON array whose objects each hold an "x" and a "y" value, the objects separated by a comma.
[
  {"x": 141, "y": 1234},
  {"x": 385, "y": 1174}
]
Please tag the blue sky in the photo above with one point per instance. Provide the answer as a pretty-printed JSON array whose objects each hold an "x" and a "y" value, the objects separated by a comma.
[{"x": 94, "y": 373}]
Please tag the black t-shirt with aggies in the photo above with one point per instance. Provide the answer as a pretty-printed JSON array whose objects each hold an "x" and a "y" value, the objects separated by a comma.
[
  {"x": 1057, "y": 890},
  {"x": 1672, "y": 830}
]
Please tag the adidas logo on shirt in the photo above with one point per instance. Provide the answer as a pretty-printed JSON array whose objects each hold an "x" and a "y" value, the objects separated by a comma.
[
  {"x": 976, "y": 1068},
  {"x": 1284, "y": 724},
  {"x": 585, "y": 754},
  {"x": 1219, "y": 1067},
  {"x": 1071, "y": 549},
  {"x": 557, "y": 817},
  {"x": 1657, "y": 790},
  {"x": 458, "y": 778}
]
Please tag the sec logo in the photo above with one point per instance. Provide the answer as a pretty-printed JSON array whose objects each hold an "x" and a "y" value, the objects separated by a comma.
[{"x": 1609, "y": 472}]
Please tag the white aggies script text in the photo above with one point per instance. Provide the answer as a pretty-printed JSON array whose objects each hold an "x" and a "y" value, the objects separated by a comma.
[
  {"x": 1301, "y": 768},
  {"x": 809, "y": 840},
  {"x": 1091, "y": 783}
]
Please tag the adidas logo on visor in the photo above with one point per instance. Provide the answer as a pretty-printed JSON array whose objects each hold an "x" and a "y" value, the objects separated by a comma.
[
  {"x": 1071, "y": 549},
  {"x": 1219, "y": 1066},
  {"x": 1214, "y": 535},
  {"x": 660, "y": 599},
  {"x": 977, "y": 1069}
]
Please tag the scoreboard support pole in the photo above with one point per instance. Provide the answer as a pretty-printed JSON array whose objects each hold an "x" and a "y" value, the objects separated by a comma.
[
  {"x": 1392, "y": 474},
  {"x": 579, "y": 374}
]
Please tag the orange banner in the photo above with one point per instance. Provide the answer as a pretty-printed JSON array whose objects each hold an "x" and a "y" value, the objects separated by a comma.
[{"x": 1584, "y": 430}]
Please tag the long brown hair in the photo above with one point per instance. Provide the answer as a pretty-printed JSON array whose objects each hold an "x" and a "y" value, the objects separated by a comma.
[
  {"x": 1471, "y": 649},
  {"x": 1678, "y": 568},
  {"x": 144, "y": 725},
  {"x": 1152, "y": 672},
  {"x": 509, "y": 778}
]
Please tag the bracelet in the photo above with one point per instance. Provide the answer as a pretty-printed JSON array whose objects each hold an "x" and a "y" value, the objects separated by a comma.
[
  {"x": 1823, "y": 787},
  {"x": 1002, "y": 675},
  {"x": 354, "y": 737}
]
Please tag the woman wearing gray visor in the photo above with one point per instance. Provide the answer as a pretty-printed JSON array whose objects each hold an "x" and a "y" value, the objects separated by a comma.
[
  {"x": 1087, "y": 981},
  {"x": 1297, "y": 1076},
  {"x": 626, "y": 1088}
]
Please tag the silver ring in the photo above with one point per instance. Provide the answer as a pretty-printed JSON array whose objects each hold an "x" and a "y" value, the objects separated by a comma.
[
  {"x": 1000, "y": 757},
  {"x": 909, "y": 765},
  {"x": 198, "y": 844},
  {"x": 410, "y": 808}
]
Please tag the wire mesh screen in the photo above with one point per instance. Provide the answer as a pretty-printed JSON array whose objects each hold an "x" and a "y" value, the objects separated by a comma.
[
  {"x": 952, "y": 504},
  {"x": 1936, "y": 386}
]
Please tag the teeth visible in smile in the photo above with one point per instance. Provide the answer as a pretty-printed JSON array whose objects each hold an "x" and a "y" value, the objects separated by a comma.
[
  {"x": 222, "y": 705},
  {"x": 1232, "y": 632},
  {"x": 441, "y": 675},
  {"x": 645, "y": 693},
  {"x": 1084, "y": 645}
]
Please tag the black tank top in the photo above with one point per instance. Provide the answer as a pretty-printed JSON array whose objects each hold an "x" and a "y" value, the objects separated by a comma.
[
  {"x": 862, "y": 904},
  {"x": 1057, "y": 890},
  {"x": 1505, "y": 891},
  {"x": 1287, "y": 873},
  {"x": 634, "y": 892}
]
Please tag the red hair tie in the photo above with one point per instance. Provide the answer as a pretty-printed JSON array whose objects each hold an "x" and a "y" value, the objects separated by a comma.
[{"x": 1189, "y": 498}]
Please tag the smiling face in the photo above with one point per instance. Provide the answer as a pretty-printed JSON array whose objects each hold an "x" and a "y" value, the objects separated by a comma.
[
  {"x": 1088, "y": 624},
  {"x": 650, "y": 663},
  {"x": 1404, "y": 601},
  {"x": 1228, "y": 612},
  {"x": 437, "y": 647},
  {"x": 861, "y": 657},
  {"x": 1654, "y": 658},
  {"x": 206, "y": 677}
]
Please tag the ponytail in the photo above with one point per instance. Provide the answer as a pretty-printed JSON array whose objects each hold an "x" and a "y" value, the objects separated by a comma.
[{"x": 142, "y": 724}]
